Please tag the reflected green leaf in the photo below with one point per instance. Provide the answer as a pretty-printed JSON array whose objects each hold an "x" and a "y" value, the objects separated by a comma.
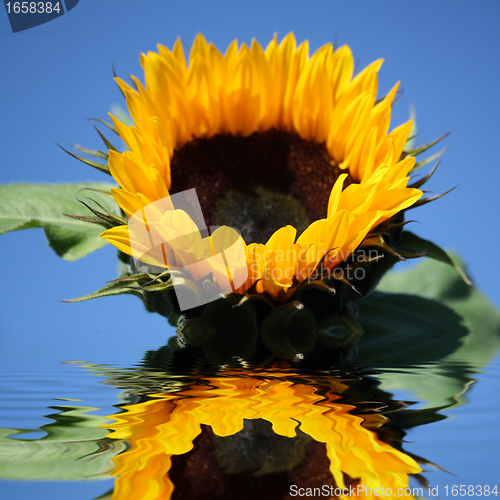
[{"x": 75, "y": 447}]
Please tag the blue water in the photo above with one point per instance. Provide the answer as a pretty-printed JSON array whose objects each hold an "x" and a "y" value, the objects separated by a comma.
[{"x": 464, "y": 443}]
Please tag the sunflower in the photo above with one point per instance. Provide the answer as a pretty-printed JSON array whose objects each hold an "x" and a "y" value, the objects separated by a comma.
[
  {"x": 261, "y": 425},
  {"x": 291, "y": 150}
]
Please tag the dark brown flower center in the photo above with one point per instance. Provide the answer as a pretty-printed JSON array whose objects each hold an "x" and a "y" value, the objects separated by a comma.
[
  {"x": 257, "y": 183},
  {"x": 198, "y": 474}
]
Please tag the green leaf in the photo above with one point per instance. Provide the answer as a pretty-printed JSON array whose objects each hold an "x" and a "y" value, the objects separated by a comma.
[
  {"x": 433, "y": 280},
  {"x": 410, "y": 338},
  {"x": 25, "y": 206},
  {"x": 403, "y": 329},
  {"x": 414, "y": 243}
]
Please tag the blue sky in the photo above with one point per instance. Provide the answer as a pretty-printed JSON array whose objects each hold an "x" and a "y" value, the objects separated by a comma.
[{"x": 58, "y": 74}]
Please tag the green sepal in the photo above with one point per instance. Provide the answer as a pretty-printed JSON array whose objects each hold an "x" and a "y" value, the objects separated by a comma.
[
  {"x": 92, "y": 220},
  {"x": 106, "y": 496},
  {"x": 424, "y": 201},
  {"x": 237, "y": 329},
  {"x": 320, "y": 298},
  {"x": 133, "y": 277},
  {"x": 92, "y": 152},
  {"x": 156, "y": 291},
  {"x": 106, "y": 220},
  {"x": 156, "y": 287},
  {"x": 106, "y": 142},
  {"x": 423, "y": 163},
  {"x": 420, "y": 182},
  {"x": 261, "y": 306},
  {"x": 366, "y": 279},
  {"x": 107, "y": 193},
  {"x": 289, "y": 330},
  {"x": 187, "y": 291},
  {"x": 341, "y": 332},
  {"x": 196, "y": 331},
  {"x": 112, "y": 288},
  {"x": 114, "y": 218},
  {"x": 99, "y": 166},
  {"x": 414, "y": 243},
  {"x": 155, "y": 300},
  {"x": 424, "y": 148},
  {"x": 332, "y": 334},
  {"x": 106, "y": 124},
  {"x": 162, "y": 303}
]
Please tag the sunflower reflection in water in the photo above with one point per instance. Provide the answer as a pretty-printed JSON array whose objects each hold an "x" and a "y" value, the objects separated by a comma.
[{"x": 262, "y": 433}]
